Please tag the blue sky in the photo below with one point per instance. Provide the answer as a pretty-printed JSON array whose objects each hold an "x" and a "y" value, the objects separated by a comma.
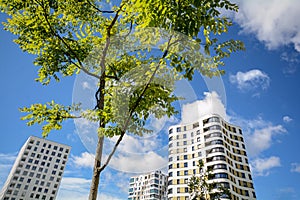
[{"x": 261, "y": 95}]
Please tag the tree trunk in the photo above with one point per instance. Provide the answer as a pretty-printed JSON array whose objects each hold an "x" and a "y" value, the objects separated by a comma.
[{"x": 96, "y": 171}]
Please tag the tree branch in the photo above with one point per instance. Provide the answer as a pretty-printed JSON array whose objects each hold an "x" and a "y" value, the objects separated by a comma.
[
  {"x": 133, "y": 109},
  {"x": 99, "y": 10},
  {"x": 80, "y": 66}
]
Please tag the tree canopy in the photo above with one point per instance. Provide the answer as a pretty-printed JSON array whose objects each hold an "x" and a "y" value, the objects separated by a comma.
[{"x": 116, "y": 47}]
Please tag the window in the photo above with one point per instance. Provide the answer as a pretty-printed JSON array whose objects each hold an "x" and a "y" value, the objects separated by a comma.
[
  {"x": 186, "y": 172},
  {"x": 29, "y": 180},
  {"x": 185, "y": 164},
  {"x": 61, "y": 149},
  {"x": 178, "y": 129},
  {"x": 184, "y": 135},
  {"x": 185, "y": 157},
  {"x": 18, "y": 185},
  {"x": 30, "y": 160},
  {"x": 27, "y": 166},
  {"x": 16, "y": 192},
  {"x": 25, "y": 173},
  {"x": 198, "y": 139},
  {"x": 184, "y": 142},
  {"x": 49, "y": 146},
  {"x": 55, "y": 147}
]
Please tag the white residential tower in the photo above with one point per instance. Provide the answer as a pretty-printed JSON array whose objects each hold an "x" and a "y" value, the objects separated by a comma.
[{"x": 37, "y": 171}]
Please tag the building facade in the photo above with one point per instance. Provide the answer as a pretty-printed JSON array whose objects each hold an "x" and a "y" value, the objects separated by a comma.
[
  {"x": 220, "y": 146},
  {"x": 37, "y": 171},
  {"x": 151, "y": 186}
]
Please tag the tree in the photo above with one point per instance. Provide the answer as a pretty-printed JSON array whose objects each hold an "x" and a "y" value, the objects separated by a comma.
[
  {"x": 114, "y": 46},
  {"x": 201, "y": 189}
]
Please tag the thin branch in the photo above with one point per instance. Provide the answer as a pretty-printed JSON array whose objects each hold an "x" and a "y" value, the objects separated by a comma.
[
  {"x": 80, "y": 66},
  {"x": 133, "y": 109},
  {"x": 99, "y": 10}
]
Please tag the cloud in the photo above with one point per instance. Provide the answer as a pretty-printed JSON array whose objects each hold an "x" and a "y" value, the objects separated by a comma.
[
  {"x": 210, "y": 104},
  {"x": 259, "y": 134},
  {"x": 262, "y": 166},
  {"x": 6, "y": 163},
  {"x": 73, "y": 188},
  {"x": 292, "y": 60},
  {"x": 85, "y": 160},
  {"x": 295, "y": 167},
  {"x": 273, "y": 22},
  {"x": 250, "y": 80},
  {"x": 261, "y": 139},
  {"x": 139, "y": 163},
  {"x": 287, "y": 119}
]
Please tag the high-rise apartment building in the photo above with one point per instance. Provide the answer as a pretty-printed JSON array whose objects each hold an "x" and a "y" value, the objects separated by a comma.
[
  {"x": 37, "y": 171},
  {"x": 151, "y": 186},
  {"x": 220, "y": 146}
]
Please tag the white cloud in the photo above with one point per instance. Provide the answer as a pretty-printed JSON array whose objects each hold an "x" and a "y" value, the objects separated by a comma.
[
  {"x": 292, "y": 60},
  {"x": 287, "y": 119},
  {"x": 73, "y": 188},
  {"x": 295, "y": 167},
  {"x": 252, "y": 79},
  {"x": 259, "y": 134},
  {"x": 6, "y": 163},
  {"x": 85, "y": 160},
  {"x": 262, "y": 166},
  {"x": 273, "y": 22},
  {"x": 138, "y": 163},
  {"x": 261, "y": 139},
  {"x": 210, "y": 104},
  {"x": 86, "y": 85}
]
